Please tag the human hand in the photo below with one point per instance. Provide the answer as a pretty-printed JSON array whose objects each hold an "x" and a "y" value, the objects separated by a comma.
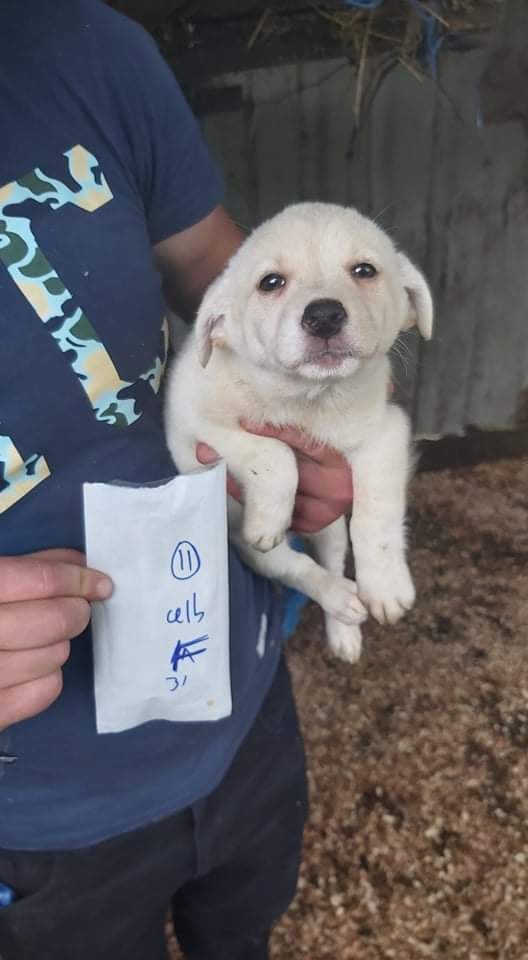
[
  {"x": 324, "y": 492},
  {"x": 44, "y": 603}
]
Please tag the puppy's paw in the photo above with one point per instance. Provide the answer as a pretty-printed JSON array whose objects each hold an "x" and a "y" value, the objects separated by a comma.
[
  {"x": 340, "y": 600},
  {"x": 264, "y": 542},
  {"x": 344, "y": 640},
  {"x": 262, "y": 532},
  {"x": 387, "y": 590}
]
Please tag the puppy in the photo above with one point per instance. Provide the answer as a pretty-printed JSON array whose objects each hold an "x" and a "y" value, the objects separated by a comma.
[{"x": 296, "y": 330}]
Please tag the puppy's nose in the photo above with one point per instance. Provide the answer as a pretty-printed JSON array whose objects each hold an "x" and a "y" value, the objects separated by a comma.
[{"x": 323, "y": 318}]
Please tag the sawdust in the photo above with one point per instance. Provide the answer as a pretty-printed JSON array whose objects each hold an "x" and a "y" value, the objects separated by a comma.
[{"x": 417, "y": 844}]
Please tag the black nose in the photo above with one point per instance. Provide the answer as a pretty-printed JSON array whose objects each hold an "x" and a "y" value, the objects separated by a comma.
[{"x": 323, "y": 318}]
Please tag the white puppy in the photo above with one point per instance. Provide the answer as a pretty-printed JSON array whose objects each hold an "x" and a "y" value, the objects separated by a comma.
[{"x": 296, "y": 330}]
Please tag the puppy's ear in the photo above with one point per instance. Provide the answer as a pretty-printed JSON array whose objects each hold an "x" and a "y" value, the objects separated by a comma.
[
  {"x": 420, "y": 303},
  {"x": 210, "y": 320}
]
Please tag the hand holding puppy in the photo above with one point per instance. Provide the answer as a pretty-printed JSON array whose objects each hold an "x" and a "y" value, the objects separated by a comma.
[{"x": 325, "y": 480}]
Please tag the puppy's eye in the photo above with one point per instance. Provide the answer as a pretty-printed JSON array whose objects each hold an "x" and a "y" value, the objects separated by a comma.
[
  {"x": 272, "y": 281},
  {"x": 364, "y": 271}
]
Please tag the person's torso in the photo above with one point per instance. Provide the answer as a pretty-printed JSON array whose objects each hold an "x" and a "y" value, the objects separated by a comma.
[{"x": 83, "y": 351}]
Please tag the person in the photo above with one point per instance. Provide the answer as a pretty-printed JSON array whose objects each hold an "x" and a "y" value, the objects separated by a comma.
[{"x": 110, "y": 206}]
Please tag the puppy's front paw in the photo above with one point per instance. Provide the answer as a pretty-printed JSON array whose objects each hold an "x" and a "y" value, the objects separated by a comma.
[
  {"x": 387, "y": 590},
  {"x": 344, "y": 640},
  {"x": 340, "y": 600},
  {"x": 261, "y": 531}
]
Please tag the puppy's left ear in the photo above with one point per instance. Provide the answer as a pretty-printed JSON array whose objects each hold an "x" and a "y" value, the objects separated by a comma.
[{"x": 420, "y": 303}]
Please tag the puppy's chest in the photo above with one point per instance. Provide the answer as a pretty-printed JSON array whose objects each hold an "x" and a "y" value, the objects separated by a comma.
[
  {"x": 325, "y": 421},
  {"x": 342, "y": 419}
]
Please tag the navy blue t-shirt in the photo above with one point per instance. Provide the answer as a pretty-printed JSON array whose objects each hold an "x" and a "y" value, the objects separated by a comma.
[{"x": 100, "y": 159}]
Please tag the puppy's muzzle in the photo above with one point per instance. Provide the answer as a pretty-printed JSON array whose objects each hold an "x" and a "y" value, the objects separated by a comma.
[{"x": 324, "y": 318}]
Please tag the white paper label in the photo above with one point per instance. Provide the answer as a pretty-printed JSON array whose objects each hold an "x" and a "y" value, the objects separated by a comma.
[{"x": 161, "y": 642}]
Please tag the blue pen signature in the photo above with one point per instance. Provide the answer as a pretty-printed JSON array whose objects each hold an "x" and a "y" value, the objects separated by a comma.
[{"x": 183, "y": 651}]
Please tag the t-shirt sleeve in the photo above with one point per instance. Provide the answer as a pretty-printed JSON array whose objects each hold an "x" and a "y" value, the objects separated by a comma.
[{"x": 178, "y": 180}]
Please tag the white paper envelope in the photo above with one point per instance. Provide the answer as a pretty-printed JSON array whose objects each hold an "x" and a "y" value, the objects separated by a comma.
[{"x": 161, "y": 642}]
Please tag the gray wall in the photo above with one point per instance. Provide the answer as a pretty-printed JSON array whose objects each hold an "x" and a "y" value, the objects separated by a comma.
[{"x": 452, "y": 193}]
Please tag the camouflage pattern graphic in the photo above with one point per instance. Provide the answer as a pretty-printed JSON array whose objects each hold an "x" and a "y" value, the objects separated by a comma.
[
  {"x": 114, "y": 401},
  {"x": 18, "y": 476}
]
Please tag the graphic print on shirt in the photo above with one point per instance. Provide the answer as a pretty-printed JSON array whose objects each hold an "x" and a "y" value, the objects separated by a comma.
[
  {"x": 47, "y": 294},
  {"x": 18, "y": 476},
  {"x": 112, "y": 399}
]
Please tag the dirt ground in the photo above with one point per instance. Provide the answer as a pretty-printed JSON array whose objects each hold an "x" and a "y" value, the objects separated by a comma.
[{"x": 417, "y": 844}]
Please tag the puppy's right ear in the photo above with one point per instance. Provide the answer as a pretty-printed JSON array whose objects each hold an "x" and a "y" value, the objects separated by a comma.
[{"x": 210, "y": 320}]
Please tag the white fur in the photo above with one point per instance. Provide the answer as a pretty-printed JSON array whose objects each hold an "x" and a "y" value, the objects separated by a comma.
[{"x": 249, "y": 357}]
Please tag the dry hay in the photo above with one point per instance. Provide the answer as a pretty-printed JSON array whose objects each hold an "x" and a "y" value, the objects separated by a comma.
[
  {"x": 417, "y": 844},
  {"x": 393, "y": 26},
  {"x": 406, "y": 32}
]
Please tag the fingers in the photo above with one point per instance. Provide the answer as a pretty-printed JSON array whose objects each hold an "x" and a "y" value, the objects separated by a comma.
[
  {"x": 27, "y": 699},
  {"x": 36, "y": 577},
  {"x": 44, "y": 602},
  {"x": 22, "y": 666},
  {"x": 326, "y": 483},
  {"x": 234, "y": 489},
  {"x": 207, "y": 455},
  {"x": 65, "y": 554},
  {"x": 37, "y": 623},
  {"x": 298, "y": 441},
  {"x": 325, "y": 490},
  {"x": 312, "y": 514}
]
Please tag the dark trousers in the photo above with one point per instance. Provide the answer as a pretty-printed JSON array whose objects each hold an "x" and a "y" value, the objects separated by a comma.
[{"x": 228, "y": 865}]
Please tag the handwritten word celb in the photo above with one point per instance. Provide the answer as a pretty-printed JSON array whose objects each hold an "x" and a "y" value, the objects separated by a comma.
[{"x": 189, "y": 613}]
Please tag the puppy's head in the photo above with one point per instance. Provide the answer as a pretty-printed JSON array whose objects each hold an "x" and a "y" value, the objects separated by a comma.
[{"x": 314, "y": 292}]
